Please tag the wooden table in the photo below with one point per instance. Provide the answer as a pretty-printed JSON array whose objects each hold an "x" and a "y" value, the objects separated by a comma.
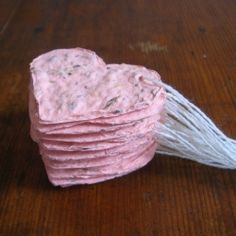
[{"x": 192, "y": 44}]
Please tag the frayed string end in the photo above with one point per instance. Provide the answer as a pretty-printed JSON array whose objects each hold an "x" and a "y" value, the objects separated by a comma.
[{"x": 188, "y": 133}]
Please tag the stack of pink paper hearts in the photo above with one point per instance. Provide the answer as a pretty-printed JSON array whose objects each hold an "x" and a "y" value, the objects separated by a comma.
[{"x": 92, "y": 121}]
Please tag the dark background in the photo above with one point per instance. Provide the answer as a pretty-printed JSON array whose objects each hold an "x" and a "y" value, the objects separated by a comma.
[{"x": 192, "y": 44}]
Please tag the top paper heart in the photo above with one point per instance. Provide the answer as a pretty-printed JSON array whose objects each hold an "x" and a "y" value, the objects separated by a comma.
[{"x": 75, "y": 84}]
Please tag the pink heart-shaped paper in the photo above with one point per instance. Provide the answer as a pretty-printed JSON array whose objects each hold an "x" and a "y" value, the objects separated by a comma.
[{"x": 71, "y": 85}]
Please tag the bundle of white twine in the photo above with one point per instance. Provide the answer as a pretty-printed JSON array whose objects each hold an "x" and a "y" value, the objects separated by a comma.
[{"x": 188, "y": 133}]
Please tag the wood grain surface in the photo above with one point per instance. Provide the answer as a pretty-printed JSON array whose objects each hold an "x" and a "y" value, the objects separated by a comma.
[{"x": 192, "y": 44}]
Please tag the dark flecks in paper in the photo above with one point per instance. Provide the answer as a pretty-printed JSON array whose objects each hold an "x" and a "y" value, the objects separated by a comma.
[
  {"x": 153, "y": 92},
  {"x": 111, "y": 102},
  {"x": 117, "y": 111},
  {"x": 65, "y": 57},
  {"x": 51, "y": 58},
  {"x": 71, "y": 105},
  {"x": 76, "y": 66}
]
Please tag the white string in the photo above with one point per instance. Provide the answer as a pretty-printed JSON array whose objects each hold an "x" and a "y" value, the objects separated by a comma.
[{"x": 188, "y": 133}]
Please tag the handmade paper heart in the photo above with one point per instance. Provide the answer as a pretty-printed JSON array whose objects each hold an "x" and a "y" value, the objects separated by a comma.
[{"x": 88, "y": 118}]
